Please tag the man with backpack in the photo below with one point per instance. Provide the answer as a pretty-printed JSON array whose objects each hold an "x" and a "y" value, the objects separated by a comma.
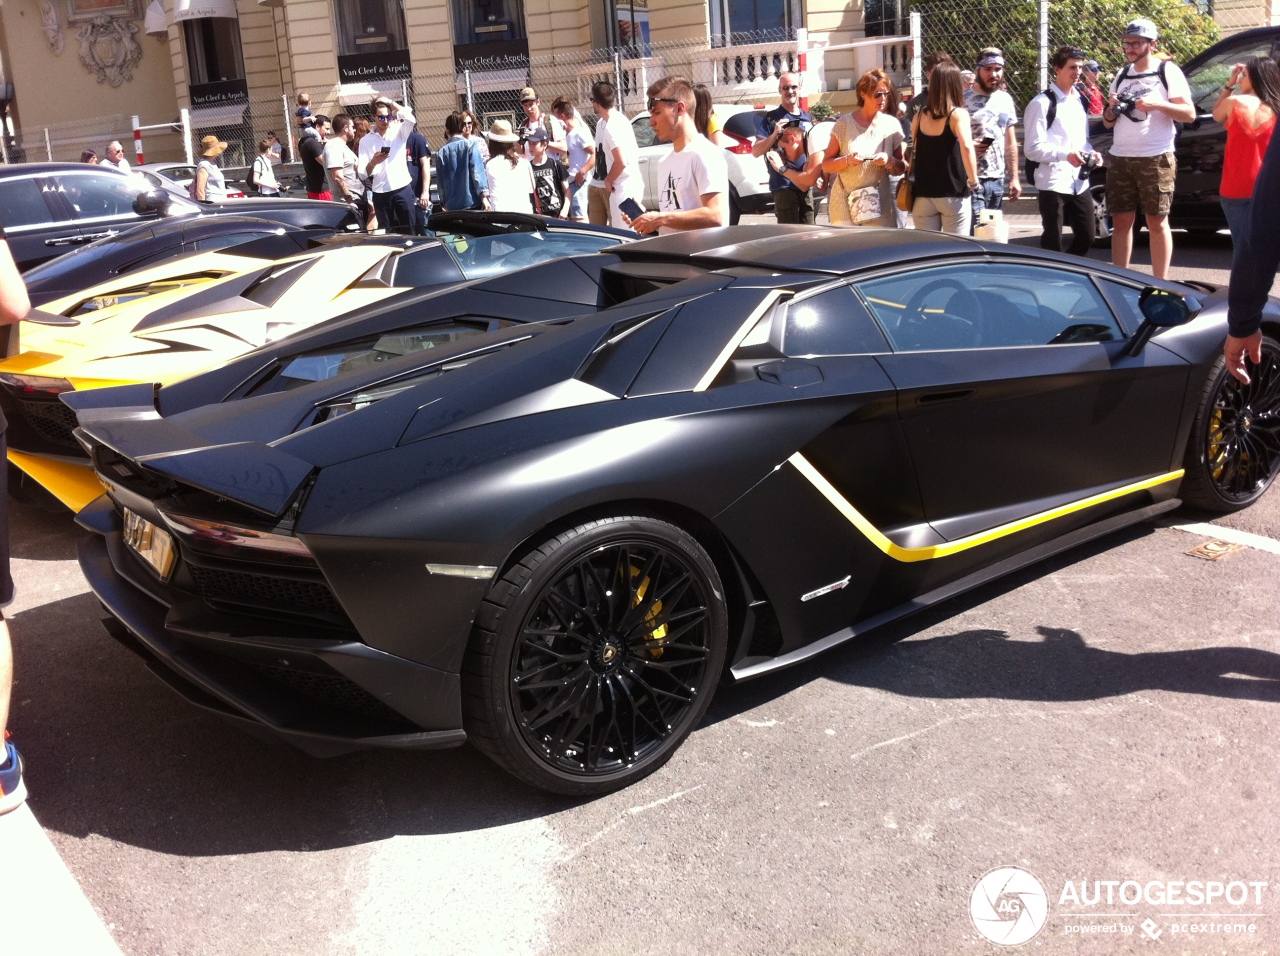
[
  {"x": 1059, "y": 156},
  {"x": 1149, "y": 97}
]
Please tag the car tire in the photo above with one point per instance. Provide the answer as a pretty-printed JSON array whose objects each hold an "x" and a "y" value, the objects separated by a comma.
[
  {"x": 735, "y": 206},
  {"x": 1233, "y": 453},
  {"x": 622, "y": 622}
]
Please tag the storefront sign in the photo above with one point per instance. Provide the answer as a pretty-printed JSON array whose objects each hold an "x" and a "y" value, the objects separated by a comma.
[
  {"x": 367, "y": 67},
  {"x": 224, "y": 93}
]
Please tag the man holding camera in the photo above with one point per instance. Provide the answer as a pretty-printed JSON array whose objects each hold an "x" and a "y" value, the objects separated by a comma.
[
  {"x": 1148, "y": 96},
  {"x": 790, "y": 203},
  {"x": 1057, "y": 142},
  {"x": 994, "y": 119}
]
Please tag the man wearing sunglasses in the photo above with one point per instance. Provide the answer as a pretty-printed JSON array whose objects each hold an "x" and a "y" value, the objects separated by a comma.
[
  {"x": 769, "y": 132},
  {"x": 994, "y": 119},
  {"x": 382, "y": 156},
  {"x": 1148, "y": 97},
  {"x": 693, "y": 179}
]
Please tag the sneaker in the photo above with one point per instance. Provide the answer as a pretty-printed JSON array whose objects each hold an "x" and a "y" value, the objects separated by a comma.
[{"x": 12, "y": 790}]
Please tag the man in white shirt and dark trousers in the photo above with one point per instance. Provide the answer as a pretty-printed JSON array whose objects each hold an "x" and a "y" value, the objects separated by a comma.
[
  {"x": 382, "y": 156},
  {"x": 693, "y": 179},
  {"x": 1148, "y": 97},
  {"x": 1057, "y": 140}
]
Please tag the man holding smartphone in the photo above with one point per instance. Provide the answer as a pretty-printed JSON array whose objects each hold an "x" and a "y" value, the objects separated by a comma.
[
  {"x": 693, "y": 179},
  {"x": 382, "y": 156},
  {"x": 994, "y": 119}
]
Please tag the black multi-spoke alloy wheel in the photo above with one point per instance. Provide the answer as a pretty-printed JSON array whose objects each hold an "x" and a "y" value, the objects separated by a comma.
[
  {"x": 596, "y": 655},
  {"x": 1234, "y": 450}
]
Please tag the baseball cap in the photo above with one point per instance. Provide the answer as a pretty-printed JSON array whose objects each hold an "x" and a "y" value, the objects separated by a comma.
[
  {"x": 538, "y": 134},
  {"x": 528, "y": 94},
  {"x": 1141, "y": 27},
  {"x": 1092, "y": 66}
]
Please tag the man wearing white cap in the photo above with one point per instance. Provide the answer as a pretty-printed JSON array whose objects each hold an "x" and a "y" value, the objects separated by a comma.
[
  {"x": 993, "y": 118},
  {"x": 1148, "y": 96}
]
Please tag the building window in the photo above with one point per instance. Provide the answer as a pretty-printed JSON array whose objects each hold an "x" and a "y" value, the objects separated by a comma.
[
  {"x": 628, "y": 22},
  {"x": 213, "y": 50},
  {"x": 487, "y": 21},
  {"x": 370, "y": 26},
  {"x": 753, "y": 21},
  {"x": 886, "y": 18}
]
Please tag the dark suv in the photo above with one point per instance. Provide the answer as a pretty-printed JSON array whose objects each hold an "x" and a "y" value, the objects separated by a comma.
[
  {"x": 1202, "y": 143},
  {"x": 51, "y": 208}
]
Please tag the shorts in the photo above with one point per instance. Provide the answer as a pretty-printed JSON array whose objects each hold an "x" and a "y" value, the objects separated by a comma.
[
  {"x": 327, "y": 195},
  {"x": 578, "y": 199},
  {"x": 1141, "y": 179},
  {"x": 598, "y": 205}
]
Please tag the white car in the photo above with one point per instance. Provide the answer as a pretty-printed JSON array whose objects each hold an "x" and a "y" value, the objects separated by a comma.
[
  {"x": 176, "y": 177},
  {"x": 748, "y": 175}
]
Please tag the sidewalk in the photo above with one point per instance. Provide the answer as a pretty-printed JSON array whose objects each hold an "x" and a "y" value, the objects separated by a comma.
[{"x": 42, "y": 908}]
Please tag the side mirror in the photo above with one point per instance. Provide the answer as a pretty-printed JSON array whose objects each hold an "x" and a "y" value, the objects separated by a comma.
[
  {"x": 153, "y": 203},
  {"x": 1160, "y": 310}
]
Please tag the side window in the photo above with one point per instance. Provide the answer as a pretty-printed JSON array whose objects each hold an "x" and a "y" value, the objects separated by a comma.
[
  {"x": 645, "y": 134},
  {"x": 1210, "y": 77},
  {"x": 988, "y": 305},
  {"x": 23, "y": 203},
  {"x": 226, "y": 239},
  {"x": 1125, "y": 300},
  {"x": 93, "y": 197},
  {"x": 830, "y": 323}
]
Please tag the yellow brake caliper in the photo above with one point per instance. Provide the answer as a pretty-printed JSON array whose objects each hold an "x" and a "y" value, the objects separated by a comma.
[{"x": 658, "y": 634}]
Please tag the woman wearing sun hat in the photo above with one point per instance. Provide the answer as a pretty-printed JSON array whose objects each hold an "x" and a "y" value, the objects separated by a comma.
[
  {"x": 511, "y": 186},
  {"x": 209, "y": 184}
]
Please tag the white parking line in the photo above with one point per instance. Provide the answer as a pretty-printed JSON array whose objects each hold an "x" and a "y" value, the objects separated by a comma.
[{"x": 1231, "y": 535}]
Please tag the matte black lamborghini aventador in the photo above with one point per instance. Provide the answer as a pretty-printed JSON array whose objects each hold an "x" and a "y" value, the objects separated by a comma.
[{"x": 714, "y": 455}]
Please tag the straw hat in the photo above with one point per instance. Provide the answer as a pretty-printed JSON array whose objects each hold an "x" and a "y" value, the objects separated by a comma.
[
  {"x": 211, "y": 146},
  {"x": 501, "y": 132}
]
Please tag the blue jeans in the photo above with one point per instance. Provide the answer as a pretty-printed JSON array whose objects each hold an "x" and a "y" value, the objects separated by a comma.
[
  {"x": 990, "y": 195},
  {"x": 1237, "y": 213},
  {"x": 578, "y": 199}
]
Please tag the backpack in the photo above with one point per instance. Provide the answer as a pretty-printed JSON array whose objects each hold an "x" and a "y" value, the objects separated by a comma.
[
  {"x": 252, "y": 179},
  {"x": 1050, "y": 115}
]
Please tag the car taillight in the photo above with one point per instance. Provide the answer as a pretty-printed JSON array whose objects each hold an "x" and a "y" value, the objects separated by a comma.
[
  {"x": 37, "y": 383},
  {"x": 235, "y": 541},
  {"x": 741, "y": 145}
]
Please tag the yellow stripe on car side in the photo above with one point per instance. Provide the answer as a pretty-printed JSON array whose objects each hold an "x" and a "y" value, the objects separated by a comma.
[{"x": 899, "y": 553}]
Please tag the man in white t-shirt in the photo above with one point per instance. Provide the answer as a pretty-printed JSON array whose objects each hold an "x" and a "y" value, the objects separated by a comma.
[
  {"x": 615, "y": 138},
  {"x": 1148, "y": 96},
  {"x": 693, "y": 179}
]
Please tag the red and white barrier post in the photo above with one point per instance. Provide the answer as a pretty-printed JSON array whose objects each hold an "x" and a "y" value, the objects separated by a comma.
[
  {"x": 137, "y": 139},
  {"x": 802, "y": 64}
]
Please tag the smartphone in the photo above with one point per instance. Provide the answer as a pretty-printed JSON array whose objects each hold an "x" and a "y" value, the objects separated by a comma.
[
  {"x": 385, "y": 150},
  {"x": 632, "y": 209},
  {"x": 987, "y": 140}
]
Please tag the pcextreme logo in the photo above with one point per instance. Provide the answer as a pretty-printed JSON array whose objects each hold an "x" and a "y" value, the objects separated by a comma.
[{"x": 1010, "y": 906}]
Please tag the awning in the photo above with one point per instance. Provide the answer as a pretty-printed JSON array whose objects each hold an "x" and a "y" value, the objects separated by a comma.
[
  {"x": 271, "y": 3},
  {"x": 157, "y": 21},
  {"x": 207, "y": 117},
  {"x": 200, "y": 9},
  {"x": 362, "y": 94}
]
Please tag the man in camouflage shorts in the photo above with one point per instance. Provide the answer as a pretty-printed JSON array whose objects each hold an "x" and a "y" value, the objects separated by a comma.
[{"x": 1148, "y": 96}]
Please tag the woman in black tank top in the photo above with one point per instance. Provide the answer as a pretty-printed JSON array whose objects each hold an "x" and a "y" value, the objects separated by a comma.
[{"x": 944, "y": 163}]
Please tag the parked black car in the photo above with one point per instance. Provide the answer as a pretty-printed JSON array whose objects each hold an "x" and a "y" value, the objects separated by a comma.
[
  {"x": 51, "y": 208},
  {"x": 1202, "y": 143},
  {"x": 719, "y": 454}
]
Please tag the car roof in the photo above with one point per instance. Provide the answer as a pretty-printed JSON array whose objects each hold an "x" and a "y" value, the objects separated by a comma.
[
  {"x": 797, "y": 248},
  {"x": 36, "y": 169}
]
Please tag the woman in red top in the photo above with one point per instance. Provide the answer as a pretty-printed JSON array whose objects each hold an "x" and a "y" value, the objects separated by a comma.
[{"x": 1249, "y": 116}]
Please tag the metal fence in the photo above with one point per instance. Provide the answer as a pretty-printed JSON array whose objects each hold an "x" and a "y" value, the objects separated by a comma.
[{"x": 745, "y": 72}]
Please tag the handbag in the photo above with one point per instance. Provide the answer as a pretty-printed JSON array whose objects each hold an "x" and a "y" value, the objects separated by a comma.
[
  {"x": 864, "y": 204},
  {"x": 906, "y": 196}
]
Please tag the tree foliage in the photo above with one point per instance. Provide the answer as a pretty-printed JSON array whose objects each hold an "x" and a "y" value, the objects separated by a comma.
[{"x": 963, "y": 27}]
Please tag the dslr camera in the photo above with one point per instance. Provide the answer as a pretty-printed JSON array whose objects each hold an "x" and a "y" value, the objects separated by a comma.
[
  {"x": 1127, "y": 105},
  {"x": 1088, "y": 166}
]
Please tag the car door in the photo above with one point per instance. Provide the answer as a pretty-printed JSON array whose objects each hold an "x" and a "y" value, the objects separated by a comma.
[
  {"x": 652, "y": 150},
  {"x": 37, "y": 224},
  {"x": 1202, "y": 143},
  {"x": 1014, "y": 393},
  {"x": 101, "y": 202}
]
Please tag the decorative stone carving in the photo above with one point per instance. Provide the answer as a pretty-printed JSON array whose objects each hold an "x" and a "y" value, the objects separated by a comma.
[
  {"x": 108, "y": 49},
  {"x": 52, "y": 28}
]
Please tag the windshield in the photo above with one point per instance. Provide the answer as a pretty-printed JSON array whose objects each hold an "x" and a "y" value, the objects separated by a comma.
[
  {"x": 1208, "y": 79},
  {"x": 483, "y": 256}
]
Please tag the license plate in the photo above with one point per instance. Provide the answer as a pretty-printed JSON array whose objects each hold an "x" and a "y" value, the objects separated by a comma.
[{"x": 154, "y": 545}]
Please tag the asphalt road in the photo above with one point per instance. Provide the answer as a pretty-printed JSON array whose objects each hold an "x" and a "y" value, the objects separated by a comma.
[{"x": 1100, "y": 717}]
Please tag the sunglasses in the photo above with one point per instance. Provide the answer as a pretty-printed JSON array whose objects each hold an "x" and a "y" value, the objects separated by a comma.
[
  {"x": 660, "y": 99},
  {"x": 383, "y": 118},
  {"x": 789, "y": 89},
  {"x": 881, "y": 94}
]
